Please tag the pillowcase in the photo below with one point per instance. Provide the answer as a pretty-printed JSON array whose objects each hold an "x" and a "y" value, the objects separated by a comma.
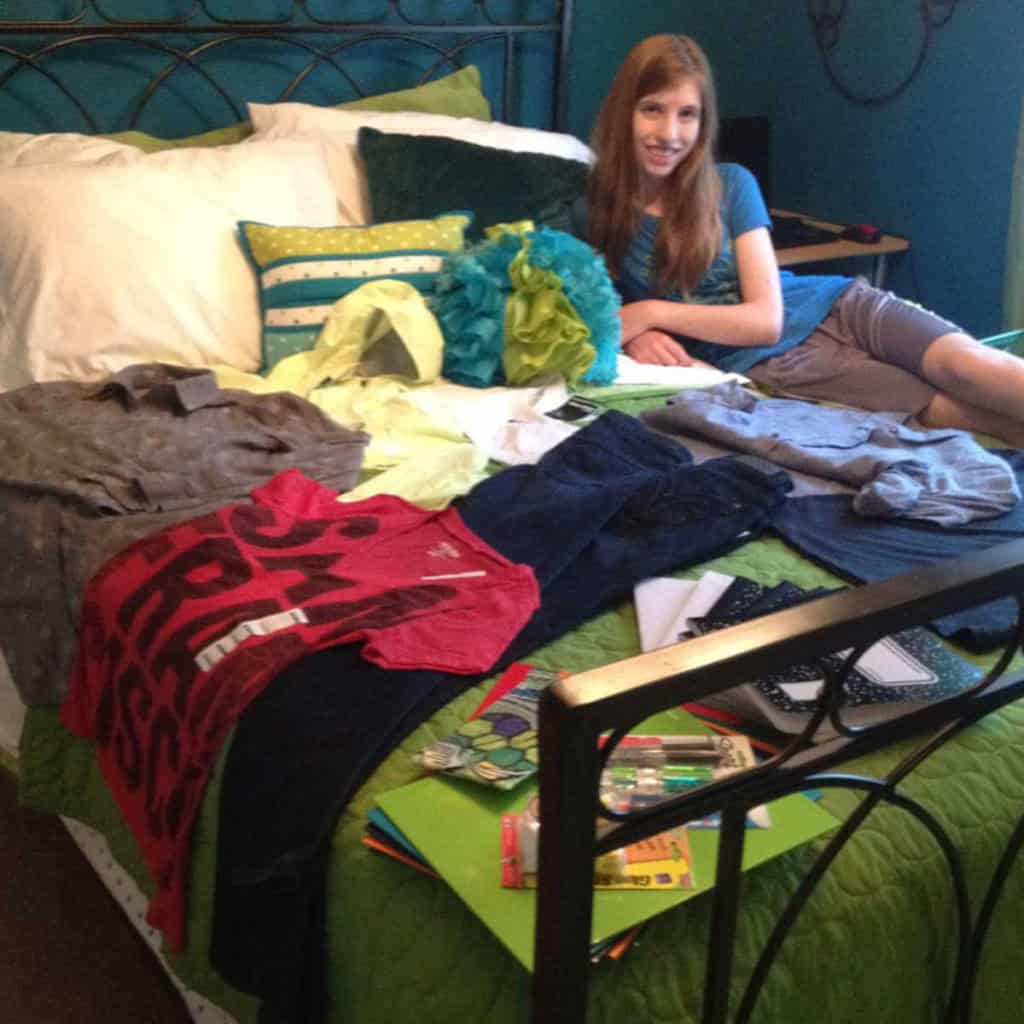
[
  {"x": 458, "y": 94},
  {"x": 303, "y": 271},
  {"x": 418, "y": 176},
  {"x": 339, "y": 130},
  {"x": 25, "y": 149},
  {"x": 106, "y": 265}
]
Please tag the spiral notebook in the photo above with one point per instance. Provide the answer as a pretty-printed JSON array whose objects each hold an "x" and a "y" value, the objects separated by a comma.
[{"x": 898, "y": 674}]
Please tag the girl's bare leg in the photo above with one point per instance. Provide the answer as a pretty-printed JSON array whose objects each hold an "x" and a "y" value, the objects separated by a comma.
[
  {"x": 944, "y": 411},
  {"x": 977, "y": 376}
]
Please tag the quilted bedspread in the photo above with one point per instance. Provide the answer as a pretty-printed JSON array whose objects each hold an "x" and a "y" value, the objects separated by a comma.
[{"x": 873, "y": 944}]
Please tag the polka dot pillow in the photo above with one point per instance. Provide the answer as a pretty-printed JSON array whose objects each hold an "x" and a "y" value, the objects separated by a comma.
[{"x": 303, "y": 271}]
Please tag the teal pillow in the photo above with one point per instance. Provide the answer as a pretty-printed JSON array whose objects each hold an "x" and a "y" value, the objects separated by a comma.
[
  {"x": 302, "y": 272},
  {"x": 415, "y": 176}
]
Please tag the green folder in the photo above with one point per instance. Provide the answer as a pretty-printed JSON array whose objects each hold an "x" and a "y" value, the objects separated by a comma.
[{"x": 456, "y": 826}]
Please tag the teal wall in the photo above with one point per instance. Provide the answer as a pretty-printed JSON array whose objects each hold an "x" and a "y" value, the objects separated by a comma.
[
  {"x": 606, "y": 29},
  {"x": 935, "y": 164}
]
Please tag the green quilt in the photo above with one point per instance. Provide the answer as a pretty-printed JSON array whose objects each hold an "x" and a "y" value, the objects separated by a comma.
[{"x": 873, "y": 944}]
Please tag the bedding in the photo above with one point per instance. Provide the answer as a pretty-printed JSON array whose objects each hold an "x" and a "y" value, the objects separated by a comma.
[
  {"x": 107, "y": 265},
  {"x": 457, "y": 94},
  {"x": 339, "y": 132},
  {"x": 303, "y": 271},
  {"x": 883, "y": 897},
  {"x": 889, "y": 882},
  {"x": 423, "y": 175},
  {"x": 26, "y": 149},
  {"x": 360, "y": 937}
]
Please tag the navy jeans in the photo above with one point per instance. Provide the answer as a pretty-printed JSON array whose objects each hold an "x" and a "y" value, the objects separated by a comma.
[
  {"x": 612, "y": 505},
  {"x": 825, "y": 528},
  {"x": 617, "y": 505}
]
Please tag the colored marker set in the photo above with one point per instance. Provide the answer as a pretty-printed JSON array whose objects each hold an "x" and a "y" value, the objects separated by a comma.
[{"x": 643, "y": 770}]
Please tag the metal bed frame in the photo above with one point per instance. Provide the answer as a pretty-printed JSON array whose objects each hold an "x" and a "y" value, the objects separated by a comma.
[
  {"x": 615, "y": 698},
  {"x": 402, "y": 31}
]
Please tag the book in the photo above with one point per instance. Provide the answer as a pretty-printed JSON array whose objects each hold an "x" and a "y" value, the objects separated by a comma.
[
  {"x": 455, "y": 824},
  {"x": 497, "y": 745},
  {"x": 897, "y": 674}
]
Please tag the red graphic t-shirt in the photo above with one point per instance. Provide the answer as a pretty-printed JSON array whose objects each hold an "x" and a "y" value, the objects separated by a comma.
[{"x": 181, "y": 630}]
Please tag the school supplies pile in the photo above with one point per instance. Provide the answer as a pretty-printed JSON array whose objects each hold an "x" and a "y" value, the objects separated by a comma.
[
  {"x": 452, "y": 827},
  {"x": 898, "y": 674},
  {"x": 662, "y": 861},
  {"x": 645, "y": 770}
]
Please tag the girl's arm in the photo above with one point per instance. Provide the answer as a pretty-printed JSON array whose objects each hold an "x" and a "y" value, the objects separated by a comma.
[{"x": 755, "y": 320}]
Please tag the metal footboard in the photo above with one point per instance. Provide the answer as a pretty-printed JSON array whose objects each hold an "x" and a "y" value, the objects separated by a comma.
[{"x": 615, "y": 698}]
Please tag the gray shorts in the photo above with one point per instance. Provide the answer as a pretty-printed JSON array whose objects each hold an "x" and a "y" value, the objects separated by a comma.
[{"x": 866, "y": 353}]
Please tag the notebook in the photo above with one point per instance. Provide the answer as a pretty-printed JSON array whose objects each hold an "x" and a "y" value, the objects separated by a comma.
[{"x": 898, "y": 674}]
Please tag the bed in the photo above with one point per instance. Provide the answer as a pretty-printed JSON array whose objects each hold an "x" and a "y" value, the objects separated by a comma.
[{"x": 905, "y": 913}]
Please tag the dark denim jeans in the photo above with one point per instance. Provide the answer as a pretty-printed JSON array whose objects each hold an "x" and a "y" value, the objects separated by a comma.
[
  {"x": 827, "y": 529},
  {"x": 612, "y": 505}
]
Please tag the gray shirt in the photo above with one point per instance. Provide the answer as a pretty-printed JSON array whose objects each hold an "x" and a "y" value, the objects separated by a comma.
[{"x": 86, "y": 469}]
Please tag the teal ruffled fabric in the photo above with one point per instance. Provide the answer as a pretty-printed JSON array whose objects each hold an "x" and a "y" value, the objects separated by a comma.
[
  {"x": 480, "y": 295},
  {"x": 469, "y": 302},
  {"x": 589, "y": 288}
]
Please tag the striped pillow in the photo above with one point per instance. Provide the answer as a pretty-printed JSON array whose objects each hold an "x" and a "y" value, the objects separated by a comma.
[{"x": 303, "y": 271}]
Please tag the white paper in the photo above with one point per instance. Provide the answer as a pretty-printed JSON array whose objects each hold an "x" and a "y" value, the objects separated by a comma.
[
  {"x": 629, "y": 371},
  {"x": 664, "y": 606}
]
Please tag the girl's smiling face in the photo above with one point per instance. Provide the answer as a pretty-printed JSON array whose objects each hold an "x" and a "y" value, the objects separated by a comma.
[{"x": 666, "y": 127}]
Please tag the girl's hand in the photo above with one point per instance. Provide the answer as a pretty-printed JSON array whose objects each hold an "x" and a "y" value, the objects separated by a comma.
[
  {"x": 658, "y": 348},
  {"x": 635, "y": 319}
]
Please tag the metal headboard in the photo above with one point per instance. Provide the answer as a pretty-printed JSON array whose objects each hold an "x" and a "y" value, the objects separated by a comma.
[{"x": 316, "y": 55}]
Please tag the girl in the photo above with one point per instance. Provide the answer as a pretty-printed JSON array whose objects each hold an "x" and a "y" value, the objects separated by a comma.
[{"x": 687, "y": 243}]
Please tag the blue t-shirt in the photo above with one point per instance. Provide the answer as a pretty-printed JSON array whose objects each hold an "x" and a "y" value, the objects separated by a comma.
[{"x": 806, "y": 299}]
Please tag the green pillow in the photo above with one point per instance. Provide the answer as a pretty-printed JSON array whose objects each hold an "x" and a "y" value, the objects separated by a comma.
[
  {"x": 302, "y": 272},
  {"x": 457, "y": 95},
  {"x": 152, "y": 144},
  {"x": 412, "y": 176}
]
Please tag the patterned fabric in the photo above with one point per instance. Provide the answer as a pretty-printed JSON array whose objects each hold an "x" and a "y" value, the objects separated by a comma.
[
  {"x": 497, "y": 746},
  {"x": 303, "y": 271}
]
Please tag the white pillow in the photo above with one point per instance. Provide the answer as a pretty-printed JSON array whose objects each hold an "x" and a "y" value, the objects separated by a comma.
[
  {"x": 23, "y": 149},
  {"x": 106, "y": 265},
  {"x": 339, "y": 130}
]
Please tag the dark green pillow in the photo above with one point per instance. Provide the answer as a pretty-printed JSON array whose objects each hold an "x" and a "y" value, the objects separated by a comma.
[{"x": 410, "y": 177}]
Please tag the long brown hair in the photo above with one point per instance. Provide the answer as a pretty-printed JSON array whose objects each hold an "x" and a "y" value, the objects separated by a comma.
[{"x": 689, "y": 236}]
